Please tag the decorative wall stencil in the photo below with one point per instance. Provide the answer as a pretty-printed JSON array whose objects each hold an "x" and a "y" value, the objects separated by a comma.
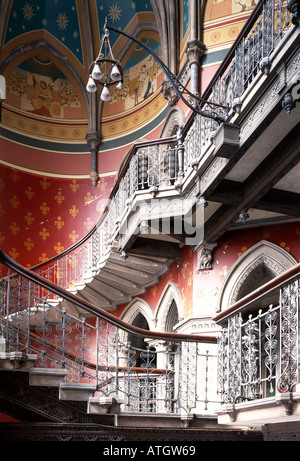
[
  {"x": 42, "y": 216},
  {"x": 217, "y": 36}
]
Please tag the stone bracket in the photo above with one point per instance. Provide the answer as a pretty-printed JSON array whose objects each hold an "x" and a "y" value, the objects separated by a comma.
[
  {"x": 104, "y": 405},
  {"x": 226, "y": 140},
  {"x": 204, "y": 253}
]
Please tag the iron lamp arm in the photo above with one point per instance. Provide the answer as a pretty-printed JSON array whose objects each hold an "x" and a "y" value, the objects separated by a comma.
[{"x": 176, "y": 84}]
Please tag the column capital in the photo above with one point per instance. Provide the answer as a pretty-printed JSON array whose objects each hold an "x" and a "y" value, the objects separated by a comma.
[{"x": 195, "y": 50}]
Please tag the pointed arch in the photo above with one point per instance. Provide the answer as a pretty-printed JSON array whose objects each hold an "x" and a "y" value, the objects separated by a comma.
[
  {"x": 140, "y": 314},
  {"x": 169, "y": 310},
  {"x": 20, "y": 53},
  {"x": 135, "y": 308},
  {"x": 259, "y": 264}
]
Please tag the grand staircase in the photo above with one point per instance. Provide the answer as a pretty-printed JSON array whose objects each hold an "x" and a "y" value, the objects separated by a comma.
[{"x": 49, "y": 410}]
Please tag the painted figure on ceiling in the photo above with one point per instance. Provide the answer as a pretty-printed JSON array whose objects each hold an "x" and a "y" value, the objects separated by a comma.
[{"x": 42, "y": 102}]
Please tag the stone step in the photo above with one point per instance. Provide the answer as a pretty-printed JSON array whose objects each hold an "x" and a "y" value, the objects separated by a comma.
[
  {"x": 17, "y": 361},
  {"x": 47, "y": 376},
  {"x": 76, "y": 391},
  {"x": 103, "y": 405}
]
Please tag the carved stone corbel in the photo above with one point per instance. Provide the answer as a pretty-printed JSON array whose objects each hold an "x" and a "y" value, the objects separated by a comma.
[
  {"x": 169, "y": 93},
  {"x": 226, "y": 140},
  {"x": 286, "y": 400},
  {"x": 204, "y": 251}
]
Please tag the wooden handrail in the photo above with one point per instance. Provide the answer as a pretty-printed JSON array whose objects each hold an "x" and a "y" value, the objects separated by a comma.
[
  {"x": 92, "y": 308},
  {"x": 259, "y": 294},
  {"x": 68, "y": 355}
]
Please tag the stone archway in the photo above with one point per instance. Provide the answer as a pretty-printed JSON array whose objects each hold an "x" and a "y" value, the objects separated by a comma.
[
  {"x": 139, "y": 314},
  {"x": 169, "y": 309},
  {"x": 258, "y": 265}
]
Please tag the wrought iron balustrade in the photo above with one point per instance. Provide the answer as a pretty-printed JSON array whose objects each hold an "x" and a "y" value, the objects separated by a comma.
[
  {"x": 259, "y": 343},
  {"x": 145, "y": 371}
]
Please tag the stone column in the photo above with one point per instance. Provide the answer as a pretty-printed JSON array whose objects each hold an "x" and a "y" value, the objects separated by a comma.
[{"x": 195, "y": 50}]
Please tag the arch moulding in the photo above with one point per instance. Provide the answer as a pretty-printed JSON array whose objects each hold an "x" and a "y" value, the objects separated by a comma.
[
  {"x": 170, "y": 293},
  {"x": 136, "y": 307},
  {"x": 264, "y": 255}
]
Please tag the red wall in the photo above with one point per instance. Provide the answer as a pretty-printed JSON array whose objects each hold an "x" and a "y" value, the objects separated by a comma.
[
  {"x": 42, "y": 216},
  {"x": 200, "y": 289}
]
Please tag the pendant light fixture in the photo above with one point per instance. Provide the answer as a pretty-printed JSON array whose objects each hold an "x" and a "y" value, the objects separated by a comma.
[{"x": 105, "y": 70}]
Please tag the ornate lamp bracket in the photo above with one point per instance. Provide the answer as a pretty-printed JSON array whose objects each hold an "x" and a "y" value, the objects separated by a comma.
[{"x": 209, "y": 109}]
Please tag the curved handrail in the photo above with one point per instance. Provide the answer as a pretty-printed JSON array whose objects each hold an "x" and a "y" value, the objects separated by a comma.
[
  {"x": 86, "y": 305},
  {"x": 80, "y": 242},
  {"x": 90, "y": 365},
  {"x": 261, "y": 292}
]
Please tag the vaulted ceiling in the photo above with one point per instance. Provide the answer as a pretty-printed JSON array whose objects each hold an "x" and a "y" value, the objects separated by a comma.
[{"x": 46, "y": 50}]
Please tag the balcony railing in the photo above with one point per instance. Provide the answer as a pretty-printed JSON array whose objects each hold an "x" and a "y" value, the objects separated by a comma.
[
  {"x": 171, "y": 165},
  {"x": 259, "y": 343},
  {"x": 141, "y": 370}
]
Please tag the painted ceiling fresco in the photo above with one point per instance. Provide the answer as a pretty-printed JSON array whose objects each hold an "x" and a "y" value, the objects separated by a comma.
[
  {"x": 47, "y": 103},
  {"x": 38, "y": 86}
]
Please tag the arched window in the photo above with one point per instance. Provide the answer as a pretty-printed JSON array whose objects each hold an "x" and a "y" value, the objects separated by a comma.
[
  {"x": 138, "y": 343},
  {"x": 139, "y": 314}
]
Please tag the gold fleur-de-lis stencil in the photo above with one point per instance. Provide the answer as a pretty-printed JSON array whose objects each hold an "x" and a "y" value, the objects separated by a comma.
[
  {"x": 29, "y": 192},
  {"x": 43, "y": 258},
  {"x": 45, "y": 183},
  {"x": 58, "y": 247},
  {"x": 14, "y": 254},
  {"x": 74, "y": 211},
  {"x": 59, "y": 223},
  {"x": 14, "y": 201},
  {"x": 59, "y": 197},
  {"x": 14, "y": 228},
  {"x": 44, "y": 234},
  {"x": 44, "y": 208},
  {"x": 74, "y": 186},
  {"x": 29, "y": 244},
  {"x": 73, "y": 236},
  {"x": 29, "y": 218}
]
